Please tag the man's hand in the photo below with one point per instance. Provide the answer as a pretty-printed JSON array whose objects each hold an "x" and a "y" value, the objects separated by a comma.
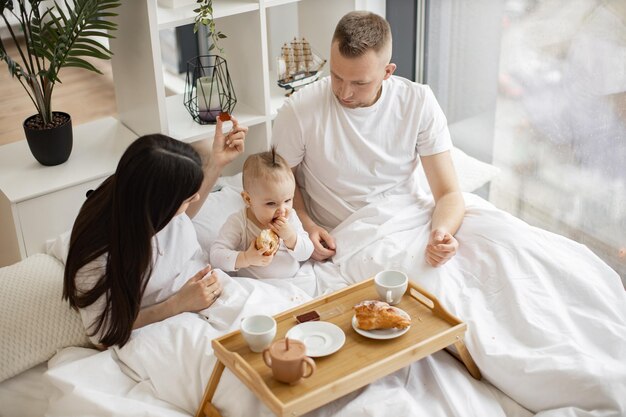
[
  {"x": 323, "y": 242},
  {"x": 441, "y": 247},
  {"x": 226, "y": 147}
]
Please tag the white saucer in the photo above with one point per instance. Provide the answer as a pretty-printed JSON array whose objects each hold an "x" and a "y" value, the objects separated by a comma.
[
  {"x": 321, "y": 338},
  {"x": 381, "y": 333}
]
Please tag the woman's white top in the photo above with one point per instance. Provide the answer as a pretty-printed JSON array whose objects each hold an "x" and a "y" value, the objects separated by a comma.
[
  {"x": 237, "y": 234},
  {"x": 177, "y": 257}
]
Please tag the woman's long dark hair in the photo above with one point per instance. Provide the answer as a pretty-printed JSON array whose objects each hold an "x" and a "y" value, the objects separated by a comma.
[{"x": 154, "y": 177}]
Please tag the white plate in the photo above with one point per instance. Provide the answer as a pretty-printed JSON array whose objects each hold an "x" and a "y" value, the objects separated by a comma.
[
  {"x": 321, "y": 338},
  {"x": 381, "y": 333}
]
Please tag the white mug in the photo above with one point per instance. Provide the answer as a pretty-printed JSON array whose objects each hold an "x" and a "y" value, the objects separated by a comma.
[
  {"x": 258, "y": 331},
  {"x": 391, "y": 285}
]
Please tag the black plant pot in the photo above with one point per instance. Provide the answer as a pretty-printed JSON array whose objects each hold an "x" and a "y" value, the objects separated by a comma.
[{"x": 50, "y": 146}]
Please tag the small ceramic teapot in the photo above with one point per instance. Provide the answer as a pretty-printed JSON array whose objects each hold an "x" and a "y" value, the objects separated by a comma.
[{"x": 288, "y": 360}]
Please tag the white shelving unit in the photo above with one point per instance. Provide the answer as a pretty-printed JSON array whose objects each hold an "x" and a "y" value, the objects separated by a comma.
[
  {"x": 38, "y": 203},
  {"x": 255, "y": 31}
]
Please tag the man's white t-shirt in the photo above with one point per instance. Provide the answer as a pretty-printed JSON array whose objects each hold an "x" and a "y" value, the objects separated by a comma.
[
  {"x": 238, "y": 233},
  {"x": 349, "y": 158},
  {"x": 177, "y": 257}
]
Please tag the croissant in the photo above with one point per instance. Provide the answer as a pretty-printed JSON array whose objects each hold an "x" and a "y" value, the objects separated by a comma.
[
  {"x": 373, "y": 315},
  {"x": 268, "y": 240}
]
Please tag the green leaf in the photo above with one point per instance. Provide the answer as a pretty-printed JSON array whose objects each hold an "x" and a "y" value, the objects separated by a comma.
[
  {"x": 96, "y": 33},
  {"x": 75, "y": 51},
  {"x": 95, "y": 44},
  {"x": 80, "y": 63}
]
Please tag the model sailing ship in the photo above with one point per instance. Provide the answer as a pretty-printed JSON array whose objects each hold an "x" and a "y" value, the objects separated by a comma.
[{"x": 298, "y": 65}]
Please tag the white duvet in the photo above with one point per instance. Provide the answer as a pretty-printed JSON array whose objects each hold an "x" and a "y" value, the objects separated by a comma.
[{"x": 546, "y": 326}]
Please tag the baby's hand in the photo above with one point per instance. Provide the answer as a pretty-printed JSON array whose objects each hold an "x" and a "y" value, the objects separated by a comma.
[
  {"x": 285, "y": 231},
  {"x": 255, "y": 257}
]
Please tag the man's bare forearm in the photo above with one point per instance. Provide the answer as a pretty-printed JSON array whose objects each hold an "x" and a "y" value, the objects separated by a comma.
[{"x": 448, "y": 213}]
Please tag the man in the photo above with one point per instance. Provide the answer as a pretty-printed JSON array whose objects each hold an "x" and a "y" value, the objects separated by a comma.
[
  {"x": 355, "y": 137},
  {"x": 545, "y": 315}
]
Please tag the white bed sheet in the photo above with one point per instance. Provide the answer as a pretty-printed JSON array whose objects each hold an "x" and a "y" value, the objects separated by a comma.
[
  {"x": 25, "y": 395},
  {"x": 133, "y": 381},
  {"x": 163, "y": 370}
]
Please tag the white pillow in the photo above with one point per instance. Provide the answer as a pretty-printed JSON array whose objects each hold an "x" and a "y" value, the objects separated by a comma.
[
  {"x": 216, "y": 209},
  {"x": 221, "y": 203},
  {"x": 471, "y": 172},
  {"x": 34, "y": 320},
  {"x": 226, "y": 199}
]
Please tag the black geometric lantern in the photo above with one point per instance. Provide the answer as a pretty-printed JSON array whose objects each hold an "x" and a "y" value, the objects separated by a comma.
[{"x": 208, "y": 89}]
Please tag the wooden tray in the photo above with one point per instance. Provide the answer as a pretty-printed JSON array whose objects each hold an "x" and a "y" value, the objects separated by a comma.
[{"x": 359, "y": 362}]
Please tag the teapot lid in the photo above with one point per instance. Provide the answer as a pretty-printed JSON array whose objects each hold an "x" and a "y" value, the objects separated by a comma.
[{"x": 288, "y": 349}]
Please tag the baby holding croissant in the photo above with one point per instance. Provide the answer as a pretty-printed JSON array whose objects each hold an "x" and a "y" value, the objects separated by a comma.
[{"x": 266, "y": 238}]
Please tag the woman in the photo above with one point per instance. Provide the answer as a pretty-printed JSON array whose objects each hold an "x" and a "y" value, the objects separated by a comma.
[{"x": 133, "y": 243}]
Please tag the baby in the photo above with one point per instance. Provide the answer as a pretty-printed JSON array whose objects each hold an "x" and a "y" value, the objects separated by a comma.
[{"x": 268, "y": 189}]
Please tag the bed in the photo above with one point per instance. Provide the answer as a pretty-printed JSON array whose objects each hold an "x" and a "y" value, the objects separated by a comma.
[{"x": 518, "y": 330}]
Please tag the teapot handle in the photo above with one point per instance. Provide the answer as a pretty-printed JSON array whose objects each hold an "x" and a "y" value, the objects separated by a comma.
[
  {"x": 267, "y": 358},
  {"x": 311, "y": 365}
]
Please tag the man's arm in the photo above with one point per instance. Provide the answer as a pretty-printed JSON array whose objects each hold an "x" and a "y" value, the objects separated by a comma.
[
  {"x": 323, "y": 242},
  {"x": 449, "y": 207}
]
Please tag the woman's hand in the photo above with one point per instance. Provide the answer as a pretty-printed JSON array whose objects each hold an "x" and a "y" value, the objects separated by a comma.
[
  {"x": 226, "y": 147},
  {"x": 441, "y": 247},
  {"x": 199, "y": 292}
]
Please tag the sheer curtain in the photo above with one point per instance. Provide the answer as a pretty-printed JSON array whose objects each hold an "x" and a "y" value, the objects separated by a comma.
[{"x": 538, "y": 88}]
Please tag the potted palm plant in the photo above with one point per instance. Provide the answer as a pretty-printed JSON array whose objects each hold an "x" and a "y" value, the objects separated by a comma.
[{"x": 52, "y": 36}]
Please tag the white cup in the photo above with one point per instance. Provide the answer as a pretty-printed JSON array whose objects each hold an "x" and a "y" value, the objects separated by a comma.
[
  {"x": 391, "y": 285},
  {"x": 258, "y": 331}
]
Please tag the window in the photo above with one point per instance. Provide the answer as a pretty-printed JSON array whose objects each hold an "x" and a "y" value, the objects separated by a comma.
[{"x": 538, "y": 88}]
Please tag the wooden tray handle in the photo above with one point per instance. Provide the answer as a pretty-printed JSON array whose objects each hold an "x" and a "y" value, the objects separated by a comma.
[
  {"x": 430, "y": 301},
  {"x": 252, "y": 377}
]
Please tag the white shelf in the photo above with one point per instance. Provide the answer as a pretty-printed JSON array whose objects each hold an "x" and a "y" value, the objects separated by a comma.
[
  {"x": 255, "y": 30},
  {"x": 97, "y": 148},
  {"x": 277, "y": 98},
  {"x": 184, "y": 128},
  {"x": 272, "y": 3},
  {"x": 171, "y": 18}
]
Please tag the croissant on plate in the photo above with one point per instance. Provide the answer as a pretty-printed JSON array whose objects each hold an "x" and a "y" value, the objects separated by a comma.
[{"x": 374, "y": 315}]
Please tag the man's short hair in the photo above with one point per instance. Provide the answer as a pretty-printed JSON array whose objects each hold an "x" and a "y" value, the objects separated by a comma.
[{"x": 359, "y": 31}]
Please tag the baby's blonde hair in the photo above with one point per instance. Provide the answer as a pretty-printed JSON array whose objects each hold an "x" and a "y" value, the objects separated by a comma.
[{"x": 267, "y": 165}]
